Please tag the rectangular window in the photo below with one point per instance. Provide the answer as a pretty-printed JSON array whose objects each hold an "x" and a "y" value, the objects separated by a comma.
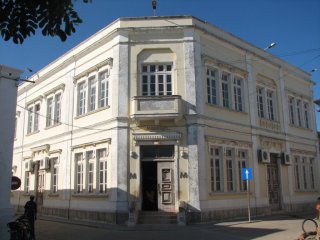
[
  {"x": 103, "y": 89},
  {"x": 57, "y": 109},
  {"x": 49, "y": 112},
  {"x": 27, "y": 187},
  {"x": 55, "y": 171},
  {"x": 237, "y": 92},
  {"x": 311, "y": 174},
  {"x": 297, "y": 173},
  {"x": 30, "y": 119},
  {"x": 216, "y": 169},
  {"x": 242, "y": 163},
  {"x": 82, "y": 93},
  {"x": 92, "y": 93},
  {"x": 229, "y": 170},
  {"x": 225, "y": 79},
  {"x": 79, "y": 172},
  {"x": 306, "y": 115},
  {"x": 304, "y": 173},
  {"x": 212, "y": 76},
  {"x": 260, "y": 101},
  {"x": 156, "y": 80},
  {"x": 270, "y": 105},
  {"x": 291, "y": 110},
  {"x": 36, "y": 117},
  {"x": 102, "y": 160},
  {"x": 90, "y": 159},
  {"x": 299, "y": 113}
]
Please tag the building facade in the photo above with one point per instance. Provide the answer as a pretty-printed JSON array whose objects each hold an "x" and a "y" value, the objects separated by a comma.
[{"x": 153, "y": 113}]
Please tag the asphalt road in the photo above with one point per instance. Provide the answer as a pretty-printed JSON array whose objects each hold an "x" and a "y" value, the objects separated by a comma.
[{"x": 276, "y": 227}]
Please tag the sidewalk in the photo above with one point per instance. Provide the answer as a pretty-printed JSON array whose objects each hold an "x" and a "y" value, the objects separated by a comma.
[{"x": 275, "y": 227}]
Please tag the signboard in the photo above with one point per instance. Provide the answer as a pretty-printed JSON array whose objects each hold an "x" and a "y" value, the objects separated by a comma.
[
  {"x": 15, "y": 183},
  {"x": 246, "y": 174}
]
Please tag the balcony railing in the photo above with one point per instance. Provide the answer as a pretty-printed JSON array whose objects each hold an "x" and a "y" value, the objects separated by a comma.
[{"x": 156, "y": 107}]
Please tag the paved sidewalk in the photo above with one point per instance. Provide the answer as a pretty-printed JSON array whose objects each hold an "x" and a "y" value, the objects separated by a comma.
[{"x": 279, "y": 227}]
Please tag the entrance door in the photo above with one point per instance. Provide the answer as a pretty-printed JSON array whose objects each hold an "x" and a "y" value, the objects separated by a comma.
[
  {"x": 273, "y": 183},
  {"x": 149, "y": 186},
  {"x": 165, "y": 187},
  {"x": 157, "y": 186}
]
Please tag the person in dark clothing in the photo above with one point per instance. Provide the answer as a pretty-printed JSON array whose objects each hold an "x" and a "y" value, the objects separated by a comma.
[{"x": 30, "y": 211}]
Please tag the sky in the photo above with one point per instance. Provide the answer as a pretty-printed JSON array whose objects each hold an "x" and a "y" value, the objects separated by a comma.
[{"x": 294, "y": 25}]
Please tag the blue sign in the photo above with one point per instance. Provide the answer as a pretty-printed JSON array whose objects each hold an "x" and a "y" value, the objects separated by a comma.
[{"x": 246, "y": 174}]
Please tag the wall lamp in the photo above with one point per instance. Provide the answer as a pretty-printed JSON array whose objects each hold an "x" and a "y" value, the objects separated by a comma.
[{"x": 271, "y": 45}]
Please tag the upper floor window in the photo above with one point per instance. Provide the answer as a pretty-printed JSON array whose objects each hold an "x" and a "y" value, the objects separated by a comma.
[
  {"x": 33, "y": 118},
  {"x": 266, "y": 103},
  {"x": 156, "y": 79},
  {"x": 225, "y": 89},
  {"x": 53, "y": 110},
  {"x": 299, "y": 112},
  {"x": 93, "y": 93}
]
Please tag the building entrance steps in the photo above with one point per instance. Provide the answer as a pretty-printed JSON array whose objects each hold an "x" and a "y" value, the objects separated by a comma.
[{"x": 156, "y": 217}]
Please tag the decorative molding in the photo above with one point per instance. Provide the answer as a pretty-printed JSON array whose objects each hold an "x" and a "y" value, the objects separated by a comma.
[
  {"x": 33, "y": 101},
  {"x": 93, "y": 144},
  {"x": 54, "y": 90},
  {"x": 295, "y": 151},
  {"x": 223, "y": 65},
  {"x": 271, "y": 143},
  {"x": 228, "y": 142},
  {"x": 156, "y": 136},
  {"x": 266, "y": 81},
  {"x": 94, "y": 68},
  {"x": 42, "y": 148}
]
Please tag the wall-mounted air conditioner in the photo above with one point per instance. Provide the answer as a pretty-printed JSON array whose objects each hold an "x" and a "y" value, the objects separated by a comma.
[
  {"x": 263, "y": 156},
  {"x": 28, "y": 166},
  {"x": 44, "y": 163},
  {"x": 286, "y": 159}
]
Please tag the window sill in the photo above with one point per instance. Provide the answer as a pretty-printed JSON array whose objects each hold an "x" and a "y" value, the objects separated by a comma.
[
  {"x": 90, "y": 195},
  {"x": 53, "y": 195},
  {"x": 302, "y": 128},
  {"x": 52, "y": 126},
  {"x": 305, "y": 191},
  {"x": 244, "y": 193},
  {"x": 225, "y": 108},
  {"x": 92, "y": 112},
  {"x": 31, "y": 133}
]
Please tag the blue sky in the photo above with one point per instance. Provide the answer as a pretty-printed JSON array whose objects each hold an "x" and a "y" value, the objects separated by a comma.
[{"x": 293, "y": 24}]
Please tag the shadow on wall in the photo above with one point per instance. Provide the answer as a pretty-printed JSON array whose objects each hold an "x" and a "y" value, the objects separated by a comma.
[{"x": 111, "y": 207}]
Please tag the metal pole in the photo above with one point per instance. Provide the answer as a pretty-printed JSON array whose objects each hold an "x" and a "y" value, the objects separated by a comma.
[{"x": 248, "y": 194}]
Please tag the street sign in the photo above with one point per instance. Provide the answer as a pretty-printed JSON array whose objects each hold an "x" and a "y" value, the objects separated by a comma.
[
  {"x": 246, "y": 174},
  {"x": 15, "y": 183}
]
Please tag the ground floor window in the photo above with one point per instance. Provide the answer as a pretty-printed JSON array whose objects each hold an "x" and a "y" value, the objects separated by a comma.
[
  {"x": 304, "y": 172},
  {"x": 226, "y": 164},
  {"x": 91, "y": 171}
]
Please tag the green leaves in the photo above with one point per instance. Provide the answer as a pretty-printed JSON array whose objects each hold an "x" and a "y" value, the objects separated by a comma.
[{"x": 20, "y": 18}]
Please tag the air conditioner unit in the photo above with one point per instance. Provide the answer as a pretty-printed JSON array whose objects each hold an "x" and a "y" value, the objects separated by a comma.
[
  {"x": 28, "y": 166},
  {"x": 264, "y": 156},
  {"x": 44, "y": 163},
  {"x": 286, "y": 159}
]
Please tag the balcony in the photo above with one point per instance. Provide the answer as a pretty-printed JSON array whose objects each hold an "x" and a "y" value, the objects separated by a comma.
[{"x": 156, "y": 108}]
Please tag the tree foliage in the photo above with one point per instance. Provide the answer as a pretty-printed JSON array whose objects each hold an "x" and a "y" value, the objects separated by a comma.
[{"x": 19, "y": 19}]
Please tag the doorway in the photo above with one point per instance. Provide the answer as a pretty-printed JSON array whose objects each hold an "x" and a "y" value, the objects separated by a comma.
[
  {"x": 157, "y": 178},
  {"x": 273, "y": 183}
]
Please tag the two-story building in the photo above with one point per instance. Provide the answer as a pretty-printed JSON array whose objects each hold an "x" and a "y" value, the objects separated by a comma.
[{"x": 153, "y": 112}]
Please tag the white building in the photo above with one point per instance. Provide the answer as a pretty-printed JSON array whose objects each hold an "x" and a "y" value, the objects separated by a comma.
[{"x": 153, "y": 112}]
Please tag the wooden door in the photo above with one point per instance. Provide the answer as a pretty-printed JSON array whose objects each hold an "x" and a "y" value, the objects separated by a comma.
[{"x": 165, "y": 187}]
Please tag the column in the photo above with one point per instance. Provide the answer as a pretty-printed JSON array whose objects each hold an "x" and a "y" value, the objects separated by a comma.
[{"x": 8, "y": 102}]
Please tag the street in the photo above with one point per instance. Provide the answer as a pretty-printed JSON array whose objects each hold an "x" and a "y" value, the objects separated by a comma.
[{"x": 276, "y": 227}]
